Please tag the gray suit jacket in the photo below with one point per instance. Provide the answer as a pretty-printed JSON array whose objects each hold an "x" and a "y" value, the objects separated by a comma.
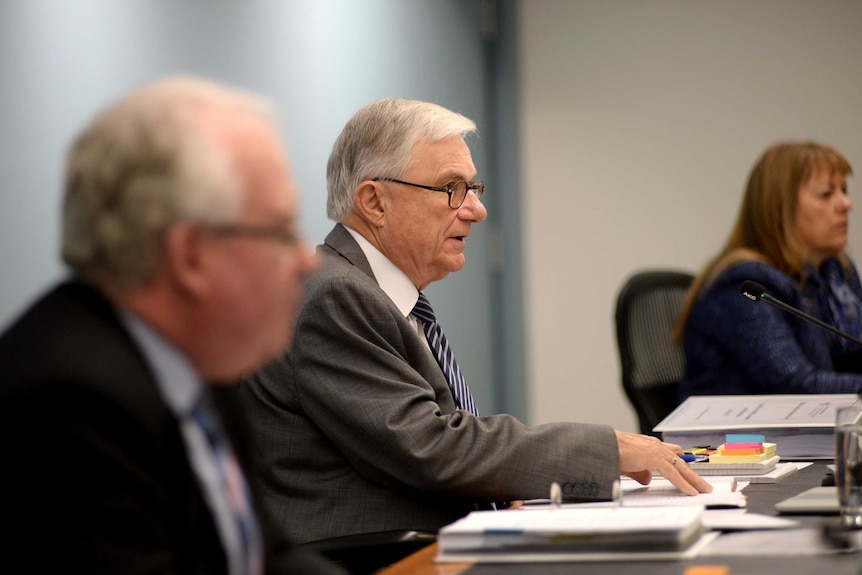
[{"x": 357, "y": 430}]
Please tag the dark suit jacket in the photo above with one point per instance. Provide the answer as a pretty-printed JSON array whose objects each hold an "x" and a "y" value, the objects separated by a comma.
[
  {"x": 95, "y": 476},
  {"x": 757, "y": 349},
  {"x": 357, "y": 430}
]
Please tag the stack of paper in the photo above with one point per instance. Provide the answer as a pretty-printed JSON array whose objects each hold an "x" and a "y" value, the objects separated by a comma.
[
  {"x": 726, "y": 492},
  {"x": 570, "y": 533},
  {"x": 748, "y": 457},
  {"x": 732, "y": 468},
  {"x": 747, "y": 452},
  {"x": 801, "y": 425}
]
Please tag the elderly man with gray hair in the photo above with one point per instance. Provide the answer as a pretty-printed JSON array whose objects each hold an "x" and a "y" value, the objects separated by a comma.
[{"x": 367, "y": 424}]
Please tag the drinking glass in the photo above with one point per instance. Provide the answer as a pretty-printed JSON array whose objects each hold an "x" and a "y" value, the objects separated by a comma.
[{"x": 848, "y": 463}]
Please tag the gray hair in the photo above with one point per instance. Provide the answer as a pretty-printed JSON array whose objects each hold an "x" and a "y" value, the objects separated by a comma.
[
  {"x": 143, "y": 164},
  {"x": 378, "y": 142}
]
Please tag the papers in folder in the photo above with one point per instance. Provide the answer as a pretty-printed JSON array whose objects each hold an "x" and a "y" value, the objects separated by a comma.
[
  {"x": 726, "y": 493},
  {"x": 802, "y": 425},
  {"x": 574, "y": 533},
  {"x": 649, "y": 522}
]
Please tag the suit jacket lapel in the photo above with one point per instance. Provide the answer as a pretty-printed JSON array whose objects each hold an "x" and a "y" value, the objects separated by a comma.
[{"x": 340, "y": 240}]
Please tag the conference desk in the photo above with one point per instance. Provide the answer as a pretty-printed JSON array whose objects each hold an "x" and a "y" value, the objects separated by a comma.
[{"x": 761, "y": 499}]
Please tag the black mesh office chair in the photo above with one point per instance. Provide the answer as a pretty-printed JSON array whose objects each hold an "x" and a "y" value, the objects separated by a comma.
[{"x": 652, "y": 364}]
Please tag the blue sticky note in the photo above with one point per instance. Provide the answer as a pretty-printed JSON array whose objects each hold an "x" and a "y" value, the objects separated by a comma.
[{"x": 744, "y": 438}]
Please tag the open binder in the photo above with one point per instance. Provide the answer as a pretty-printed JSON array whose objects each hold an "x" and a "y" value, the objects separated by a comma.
[{"x": 572, "y": 533}]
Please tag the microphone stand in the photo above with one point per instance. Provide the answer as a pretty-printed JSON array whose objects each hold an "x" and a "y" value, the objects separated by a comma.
[{"x": 805, "y": 316}]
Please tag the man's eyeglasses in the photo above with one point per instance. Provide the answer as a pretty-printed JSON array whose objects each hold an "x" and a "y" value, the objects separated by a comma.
[
  {"x": 282, "y": 234},
  {"x": 457, "y": 190}
]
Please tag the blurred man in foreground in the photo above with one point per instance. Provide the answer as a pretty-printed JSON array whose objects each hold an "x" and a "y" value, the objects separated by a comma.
[{"x": 179, "y": 228}]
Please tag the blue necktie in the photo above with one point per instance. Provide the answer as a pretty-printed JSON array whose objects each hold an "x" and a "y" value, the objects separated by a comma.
[
  {"x": 440, "y": 346},
  {"x": 233, "y": 484}
]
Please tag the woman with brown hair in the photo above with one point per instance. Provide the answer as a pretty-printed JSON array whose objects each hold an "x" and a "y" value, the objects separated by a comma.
[{"x": 789, "y": 236}]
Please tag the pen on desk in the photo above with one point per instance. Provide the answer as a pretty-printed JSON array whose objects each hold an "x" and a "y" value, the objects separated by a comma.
[
  {"x": 694, "y": 457},
  {"x": 617, "y": 493}
]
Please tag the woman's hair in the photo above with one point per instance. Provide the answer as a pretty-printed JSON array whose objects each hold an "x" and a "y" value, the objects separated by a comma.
[
  {"x": 378, "y": 142},
  {"x": 765, "y": 228}
]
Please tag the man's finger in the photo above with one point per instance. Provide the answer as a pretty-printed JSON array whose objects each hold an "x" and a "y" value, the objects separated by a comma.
[{"x": 683, "y": 477}]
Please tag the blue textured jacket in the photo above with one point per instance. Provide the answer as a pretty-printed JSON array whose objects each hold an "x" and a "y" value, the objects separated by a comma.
[{"x": 737, "y": 346}]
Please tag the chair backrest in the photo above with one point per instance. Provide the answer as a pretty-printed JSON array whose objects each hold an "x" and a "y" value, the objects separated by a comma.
[{"x": 652, "y": 364}]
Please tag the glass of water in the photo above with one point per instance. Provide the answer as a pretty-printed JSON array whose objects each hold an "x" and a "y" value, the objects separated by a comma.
[{"x": 848, "y": 463}]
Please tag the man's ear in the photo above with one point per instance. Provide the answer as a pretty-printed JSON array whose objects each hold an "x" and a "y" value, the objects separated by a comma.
[
  {"x": 371, "y": 203},
  {"x": 185, "y": 258}
]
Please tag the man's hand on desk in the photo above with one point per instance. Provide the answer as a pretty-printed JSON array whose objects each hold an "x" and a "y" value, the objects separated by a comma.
[{"x": 640, "y": 454}]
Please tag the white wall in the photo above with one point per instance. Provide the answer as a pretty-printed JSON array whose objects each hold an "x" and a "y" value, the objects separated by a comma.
[
  {"x": 317, "y": 61},
  {"x": 640, "y": 121}
]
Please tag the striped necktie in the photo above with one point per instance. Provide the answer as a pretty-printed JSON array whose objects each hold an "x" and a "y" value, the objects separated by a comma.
[
  {"x": 234, "y": 486},
  {"x": 440, "y": 346}
]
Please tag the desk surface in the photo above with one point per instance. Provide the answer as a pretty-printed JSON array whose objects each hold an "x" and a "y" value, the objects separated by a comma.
[{"x": 761, "y": 499}]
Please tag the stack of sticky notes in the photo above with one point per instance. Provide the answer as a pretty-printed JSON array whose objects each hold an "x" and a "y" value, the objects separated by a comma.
[
  {"x": 740, "y": 454},
  {"x": 743, "y": 448}
]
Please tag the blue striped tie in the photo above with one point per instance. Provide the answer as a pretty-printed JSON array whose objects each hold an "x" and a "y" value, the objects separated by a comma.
[
  {"x": 440, "y": 346},
  {"x": 234, "y": 485}
]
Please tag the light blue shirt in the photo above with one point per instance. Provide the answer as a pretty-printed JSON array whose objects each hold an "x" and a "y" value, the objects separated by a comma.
[{"x": 182, "y": 389}]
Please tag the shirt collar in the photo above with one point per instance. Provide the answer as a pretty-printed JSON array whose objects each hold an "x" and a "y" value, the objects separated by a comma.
[
  {"x": 176, "y": 379},
  {"x": 391, "y": 280}
]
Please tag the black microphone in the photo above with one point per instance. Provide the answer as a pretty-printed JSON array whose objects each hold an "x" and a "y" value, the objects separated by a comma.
[{"x": 755, "y": 292}]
